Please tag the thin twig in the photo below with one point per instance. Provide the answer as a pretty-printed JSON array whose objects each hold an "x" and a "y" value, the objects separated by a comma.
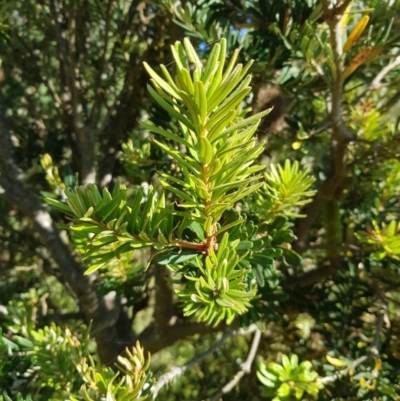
[
  {"x": 245, "y": 368},
  {"x": 343, "y": 7},
  {"x": 180, "y": 370},
  {"x": 345, "y": 372},
  {"x": 376, "y": 83},
  {"x": 98, "y": 97},
  {"x": 320, "y": 71},
  {"x": 341, "y": 136},
  {"x": 333, "y": 17}
]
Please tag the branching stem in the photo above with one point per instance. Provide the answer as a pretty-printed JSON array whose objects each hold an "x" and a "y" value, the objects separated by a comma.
[
  {"x": 180, "y": 370},
  {"x": 245, "y": 368}
]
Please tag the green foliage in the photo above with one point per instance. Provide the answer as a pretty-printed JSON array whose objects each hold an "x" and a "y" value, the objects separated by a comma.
[
  {"x": 60, "y": 364},
  {"x": 181, "y": 193},
  {"x": 113, "y": 227},
  {"x": 40, "y": 355},
  {"x": 285, "y": 189},
  {"x": 137, "y": 159},
  {"x": 19, "y": 397},
  {"x": 289, "y": 381},
  {"x": 218, "y": 291},
  {"x": 128, "y": 382},
  {"x": 217, "y": 169},
  {"x": 385, "y": 240},
  {"x": 217, "y": 172}
]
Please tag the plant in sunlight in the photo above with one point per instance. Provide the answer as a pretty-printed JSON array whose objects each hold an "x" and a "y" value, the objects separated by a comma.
[
  {"x": 191, "y": 221},
  {"x": 289, "y": 380},
  {"x": 61, "y": 362},
  {"x": 227, "y": 204},
  {"x": 286, "y": 188},
  {"x": 384, "y": 240},
  {"x": 128, "y": 382}
]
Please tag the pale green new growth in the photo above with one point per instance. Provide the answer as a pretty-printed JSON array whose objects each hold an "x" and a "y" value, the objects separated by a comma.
[
  {"x": 286, "y": 189},
  {"x": 219, "y": 292},
  {"x": 289, "y": 380},
  {"x": 384, "y": 240},
  {"x": 129, "y": 383},
  {"x": 216, "y": 151},
  {"x": 217, "y": 165}
]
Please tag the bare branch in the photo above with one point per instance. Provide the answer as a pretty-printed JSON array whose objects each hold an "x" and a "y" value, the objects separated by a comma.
[
  {"x": 333, "y": 17},
  {"x": 102, "y": 63},
  {"x": 123, "y": 113},
  {"x": 153, "y": 343},
  {"x": 343, "y": 7},
  {"x": 245, "y": 368},
  {"x": 341, "y": 136},
  {"x": 180, "y": 370},
  {"x": 377, "y": 81},
  {"x": 71, "y": 95},
  {"x": 345, "y": 372}
]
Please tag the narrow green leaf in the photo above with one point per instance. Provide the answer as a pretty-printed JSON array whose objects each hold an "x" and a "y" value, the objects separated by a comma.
[
  {"x": 191, "y": 165},
  {"x": 93, "y": 194},
  {"x": 169, "y": 78},
  {"x": 220, "y": 125},
  {"x": 170, "y": 90},
  {"x": 187, "y": 79},
  {"x": 246, "y": 69},
  {"x": 216, "y": 117},
  {"x": 177, "y": 57},
  {"x": 205, "y": 150},
  {"x": 193, "y": 110},
  {"x": 244, "y": 136},
  {"x": 232, "y": 104},
  {"x": 231, "y": 64},
  {"x": 230, "y": 185},
  {"x": 218, "y": 208},
  {"x": 236, "y": 150},
  {"x": 233, "y": 198},
  {"x": 60, "y": 206},
  {"x": 202, "y": 100},
  {"x": 174, "y": 179},
  {"x": 196, "y": 227},
  {"x": 247, "y": 121},
  {"x": 107, "y": 212},
  {"x": 212, "y": 63},
  {"x": 224, "y": 303},
  {"x": 176, "y": 191},
  {"x": 167, "y": 107},
  {"x": 238, "y": 159},
  {"x": 177, "y": 258},
  {"x": 106, "y": 257},
  {"x": 228, "y": 227},
  {"x": 222, "y": 189},
  {"x": 225, "y": 88},
  {"x": 217, "y": 77},
  {"x": 192, "y": 55},
  {"x": 86, "y": 228},
  {"x": 166, "y": 134},
  {"x": 133, "y": 225}
]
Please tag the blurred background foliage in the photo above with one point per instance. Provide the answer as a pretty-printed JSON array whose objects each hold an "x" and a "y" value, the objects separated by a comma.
[{"x": 73, "y": 87}]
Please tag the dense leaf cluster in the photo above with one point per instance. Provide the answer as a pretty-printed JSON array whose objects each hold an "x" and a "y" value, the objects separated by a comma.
[{"x": 199, "y": 206}]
